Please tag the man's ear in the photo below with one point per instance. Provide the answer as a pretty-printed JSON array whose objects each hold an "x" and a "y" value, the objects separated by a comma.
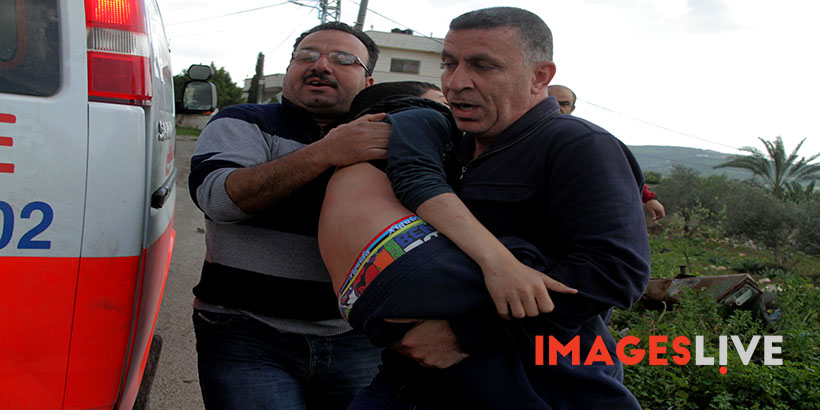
[
  {"x": 368, "y": 81},
  {"x": 543, "y": 73}
]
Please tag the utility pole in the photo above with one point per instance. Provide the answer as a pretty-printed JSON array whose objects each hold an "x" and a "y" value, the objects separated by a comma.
[
  {"x": 330, "y": 10},
  {"x": 362, "y": 11},
  {"x": 256, "y": 91},
  {"x": 260, "y": 72}
]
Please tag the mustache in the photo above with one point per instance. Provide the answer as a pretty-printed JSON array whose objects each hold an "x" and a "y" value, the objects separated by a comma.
[{"x": 323, "y": 77}]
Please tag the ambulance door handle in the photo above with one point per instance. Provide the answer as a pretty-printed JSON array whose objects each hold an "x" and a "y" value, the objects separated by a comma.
[
  {"x": 160, "y": 196},
  {"x": 164, "y": 131}
]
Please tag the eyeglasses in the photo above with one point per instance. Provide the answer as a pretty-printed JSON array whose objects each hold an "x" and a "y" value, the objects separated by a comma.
[{"x": 336, "y": 57}]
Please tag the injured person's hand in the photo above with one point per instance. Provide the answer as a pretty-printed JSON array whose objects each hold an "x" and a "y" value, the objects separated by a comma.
[{"x": 519, "y": 290}]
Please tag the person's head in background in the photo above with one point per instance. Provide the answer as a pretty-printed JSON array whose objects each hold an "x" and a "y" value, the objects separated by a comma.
[
  {"x": 566, "y": 98},
  {"x": 376, "y": 93}
]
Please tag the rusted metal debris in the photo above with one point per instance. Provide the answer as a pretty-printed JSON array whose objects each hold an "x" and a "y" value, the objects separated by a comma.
[
  {"x": 730, "y": 290},
  {"x": 735, "y": 291}
]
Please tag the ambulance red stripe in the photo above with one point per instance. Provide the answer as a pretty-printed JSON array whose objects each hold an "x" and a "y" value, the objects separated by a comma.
[{"x": 101, "y": 291}]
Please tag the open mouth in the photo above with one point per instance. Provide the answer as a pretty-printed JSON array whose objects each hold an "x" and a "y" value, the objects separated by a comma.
[
  {"x": 319, "y": 81},
  {"x": 463, "y": 106}
]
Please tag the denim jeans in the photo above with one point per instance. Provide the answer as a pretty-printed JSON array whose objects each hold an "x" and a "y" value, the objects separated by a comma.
[
  {"x": 381, "y": 395},
  {"x": 246, "y": 364}
]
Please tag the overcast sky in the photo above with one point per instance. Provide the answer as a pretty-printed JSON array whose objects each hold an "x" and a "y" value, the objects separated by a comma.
[{"x": 712, "y": 74}]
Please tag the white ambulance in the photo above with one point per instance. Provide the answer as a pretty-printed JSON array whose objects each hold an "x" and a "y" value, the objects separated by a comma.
[{"x": 86, "y": 198}]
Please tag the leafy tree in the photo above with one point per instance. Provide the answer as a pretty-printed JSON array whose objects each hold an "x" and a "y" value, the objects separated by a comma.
[
  {"x": 227, "y": 92},
  {"x": 694, "y": 198},
  {"x": 696, "y": 204},
  {"x": 799, "y": 193},
  {"x": 808, "y": 237},
  {"x": 254, "y": 91},
  {"x": 782, "y": 174},
  {"x": 758, "y": 215},
  {"x": 652, "y": 177},
  {"x": 179, "y": 82}
]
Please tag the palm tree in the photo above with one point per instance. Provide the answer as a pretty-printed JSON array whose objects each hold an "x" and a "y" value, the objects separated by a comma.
[{"x": 781, "y": 174}]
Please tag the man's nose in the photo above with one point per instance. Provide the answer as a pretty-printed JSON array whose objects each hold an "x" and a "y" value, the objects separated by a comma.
[
  {"x": 322, "y": 64},
  {"x": 457, "y": 79}
]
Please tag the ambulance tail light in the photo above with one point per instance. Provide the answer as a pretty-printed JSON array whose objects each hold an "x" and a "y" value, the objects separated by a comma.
[{"x": 118, "y": 52}]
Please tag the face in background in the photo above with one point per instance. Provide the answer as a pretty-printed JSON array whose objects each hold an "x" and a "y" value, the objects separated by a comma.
[
  {"x": 435, "y": 95},
  {"x": 566, "y": 100},
  {"x": 487, "y": 80},
  {"x": 323, "y": 88}
]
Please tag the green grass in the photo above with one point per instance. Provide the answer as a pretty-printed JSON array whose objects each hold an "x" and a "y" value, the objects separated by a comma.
[
  {"x": 723, "y": 256},
  {"x": 188, "y": 131}
]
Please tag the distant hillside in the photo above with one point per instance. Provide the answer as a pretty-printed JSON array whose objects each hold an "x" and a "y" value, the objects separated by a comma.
[{"x": 662, "y": 158}]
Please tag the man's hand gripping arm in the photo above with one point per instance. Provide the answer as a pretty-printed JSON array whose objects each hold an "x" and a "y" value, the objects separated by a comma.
[{"x": 257, "y": 188}]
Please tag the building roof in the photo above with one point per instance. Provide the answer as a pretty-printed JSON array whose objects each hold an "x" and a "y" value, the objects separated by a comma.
[{"x": 405, "y": 41}]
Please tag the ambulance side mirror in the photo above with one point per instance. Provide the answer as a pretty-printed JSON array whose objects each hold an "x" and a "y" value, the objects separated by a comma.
[
  {"x": 200, "y": 72},
  {"x": 198, "y": 94}
]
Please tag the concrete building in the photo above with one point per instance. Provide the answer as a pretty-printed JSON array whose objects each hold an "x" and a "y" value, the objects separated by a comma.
[
  {"x": 402, "y": 57},
  {"x": 273, "y": 87}
]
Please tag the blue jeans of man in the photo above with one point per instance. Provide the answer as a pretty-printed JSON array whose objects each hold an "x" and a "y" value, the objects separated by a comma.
[{"x": 246, "y": 364}]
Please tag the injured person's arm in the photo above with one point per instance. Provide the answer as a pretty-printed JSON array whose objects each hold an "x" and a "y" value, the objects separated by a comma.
[
  {"x": 415, "y": 168},
  {"x": 516, "y": 289}
]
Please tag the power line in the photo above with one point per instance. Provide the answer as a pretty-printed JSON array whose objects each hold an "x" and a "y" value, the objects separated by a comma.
[
  {"x": 657, "y": 126},
  {"x": 588, "y": 102},
  {"x": 228, "y": 14},
  {"x": 285, "y": 39},
  {"x": 289, "y": 36},
  {"x": 438, "y": 41}
]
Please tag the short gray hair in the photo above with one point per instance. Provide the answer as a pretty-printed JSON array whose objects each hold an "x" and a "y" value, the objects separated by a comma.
[{"x": 535, "y": 36}]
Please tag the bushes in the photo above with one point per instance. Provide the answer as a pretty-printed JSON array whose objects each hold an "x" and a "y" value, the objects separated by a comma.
[
  {"x": 694, "y": 199},
  {"x": 808, "y": 237},
  {"x": 752, "y": 386},
  {"x": 741, "y": 209},
  {"x": 717, "y": 226},
  {"x": 651, "y": 177},
  {"x": 764, "y": 219}
]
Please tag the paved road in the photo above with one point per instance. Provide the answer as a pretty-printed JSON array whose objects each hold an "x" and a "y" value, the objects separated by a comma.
[{"x": 176, "y": 385}]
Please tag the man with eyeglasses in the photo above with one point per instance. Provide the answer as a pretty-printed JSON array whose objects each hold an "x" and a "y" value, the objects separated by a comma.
[{"x": 269, "y": 334}]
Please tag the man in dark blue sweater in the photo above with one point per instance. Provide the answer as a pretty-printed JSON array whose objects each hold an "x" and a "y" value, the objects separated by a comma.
[
  {"x": 558, "y": 182},
  {"x": 403, "y": 267}
]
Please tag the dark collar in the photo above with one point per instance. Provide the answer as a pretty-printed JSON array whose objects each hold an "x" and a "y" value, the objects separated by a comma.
[
  {"x": 532, "y": 118},
  {"x": 303, "y": 119}
]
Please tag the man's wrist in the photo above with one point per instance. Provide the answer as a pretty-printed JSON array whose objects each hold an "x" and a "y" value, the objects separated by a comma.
[{"x": 316, "y": 153}]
